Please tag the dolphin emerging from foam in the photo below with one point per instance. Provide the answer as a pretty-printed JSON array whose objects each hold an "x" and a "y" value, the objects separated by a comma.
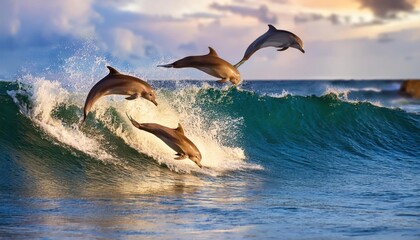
[
  {"x": 174, "y": 138},
  {"x": 280, "y": 39},
  {"x": 211, "y": 64},
  {"x": 121, "y": 84}
]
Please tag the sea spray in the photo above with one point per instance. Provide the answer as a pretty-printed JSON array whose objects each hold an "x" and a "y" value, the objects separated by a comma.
[
  {"x": 203, "y": 131},
  {"x": 44, "y": 97}
]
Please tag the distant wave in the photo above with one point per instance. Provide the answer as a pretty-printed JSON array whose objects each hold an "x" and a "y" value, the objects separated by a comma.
[{"x": 292, "y": 128}]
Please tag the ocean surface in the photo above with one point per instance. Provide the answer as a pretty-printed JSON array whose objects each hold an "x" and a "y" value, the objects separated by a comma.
[{"x": 282, "y": 160}]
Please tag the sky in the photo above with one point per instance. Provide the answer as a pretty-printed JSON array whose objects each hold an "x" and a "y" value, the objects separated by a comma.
[{"x": 346, "y": 39}]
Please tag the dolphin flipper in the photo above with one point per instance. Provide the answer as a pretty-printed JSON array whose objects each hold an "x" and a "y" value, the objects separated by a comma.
[
  {"x": 81, "y": 122},
  {"x": 234, "y": 83},
  {"x": 180, "y": 156},
  {"x": 282, "y": 49},
  {"x": 223, "y": 80},
  {"x": 132, "y": 97}
]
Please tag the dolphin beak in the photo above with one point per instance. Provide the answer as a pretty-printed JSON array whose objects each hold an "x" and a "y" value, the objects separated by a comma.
[
  {"x": 199, "y": 164},
  {"x": 170, "y": 65}
]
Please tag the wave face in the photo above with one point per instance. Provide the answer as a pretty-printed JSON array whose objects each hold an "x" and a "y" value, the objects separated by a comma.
[
  {"x": 324, "y": 132},
  {"x": 235, "y": 129}
]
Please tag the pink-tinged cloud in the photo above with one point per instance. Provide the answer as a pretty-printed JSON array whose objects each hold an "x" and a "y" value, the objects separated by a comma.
[
  {"x": 262, "y": 13},
  {"x": 388, "y": 8}
]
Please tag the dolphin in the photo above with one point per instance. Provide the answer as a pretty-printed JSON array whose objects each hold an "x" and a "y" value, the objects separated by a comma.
[
  {"x": 121, "y": 84},
  {"x": 174, "y": 138},
  {"x": 211, "y": 64},
  {"x": 280, "y": 39}
]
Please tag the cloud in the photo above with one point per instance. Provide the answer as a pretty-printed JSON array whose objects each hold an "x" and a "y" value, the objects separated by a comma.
[
  {"x": 9, "y": 24},
  {"x": 126, "y": 44},
  {"x": 204, "y": 15},
  {"x": 280, "y": 1},
  {"x": 188, "y": 47},
  {"x": 308, "y": 17},
  {"x": 140, "y": 35},
  {"x": 388, "y": 9},
  {"x": 384, "y": 11},
  {"x": 262, "y": 13},
  {"x": 253, "y": 1},
  {"x": 333, "y": 18},
  {"x": 373, "y": 22},
  {"x": 29, "y": 23}
]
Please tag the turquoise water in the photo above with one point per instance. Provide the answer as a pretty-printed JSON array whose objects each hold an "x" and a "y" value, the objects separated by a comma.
[{"x": 282, "y": 160}]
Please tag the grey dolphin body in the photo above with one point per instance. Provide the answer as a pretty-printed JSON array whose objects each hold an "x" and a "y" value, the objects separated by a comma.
[
  {"x": 280, "y": 39},
  {"x": 174, "y": 138},
  {"x": 211, "y": 64},
  {"x": 121, "y": 84}
]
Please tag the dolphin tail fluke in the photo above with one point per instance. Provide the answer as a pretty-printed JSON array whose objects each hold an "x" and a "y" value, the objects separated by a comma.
[
  {"x": 81, "y": 122},
  {"x": 85, "y": 113},
  {"x": 134, "y": 122},
  {"x": 239, "y": 63},
  {"x": 171, "y": 65}
]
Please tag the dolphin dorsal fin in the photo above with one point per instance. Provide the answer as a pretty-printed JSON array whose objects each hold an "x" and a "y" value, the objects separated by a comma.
[
  {"x": 112, "y": 70},
  {"x": 179, "y": 128},
  {"x": 271, "y": 27},
  {"x": 212, "y": 52}
]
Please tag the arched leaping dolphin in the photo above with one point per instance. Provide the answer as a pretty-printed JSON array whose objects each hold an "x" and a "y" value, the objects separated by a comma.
[
  {"x": 280, "y": 39},
  {"x": 121, "y": 84},
  {"x": 211, "y": 64},
  {"x": 174, "y": 138}
]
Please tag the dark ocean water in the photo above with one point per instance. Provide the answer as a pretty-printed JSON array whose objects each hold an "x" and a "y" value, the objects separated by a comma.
[{"x": 282, "y": 160}]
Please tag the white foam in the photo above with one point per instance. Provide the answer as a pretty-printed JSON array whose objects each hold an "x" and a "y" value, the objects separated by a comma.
[
  {"x": 342, "y": 94},
  {"x": 284, "y": 93},
  {"x": 174, "y": 106},
  {"x": 45, "y": 96},
  {"x": 368, "y": 89},
  {"x": 339, "y": 92},
  {"x": 177, "y": 107}
]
